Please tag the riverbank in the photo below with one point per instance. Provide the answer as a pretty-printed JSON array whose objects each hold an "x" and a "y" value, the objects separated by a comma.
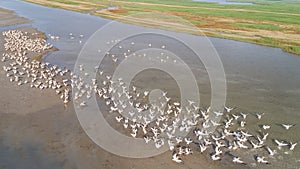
[{"x": 273, "y": 24}]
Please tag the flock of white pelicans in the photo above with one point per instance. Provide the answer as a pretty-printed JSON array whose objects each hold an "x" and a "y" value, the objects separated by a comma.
[{"x": 167, "y": 122}]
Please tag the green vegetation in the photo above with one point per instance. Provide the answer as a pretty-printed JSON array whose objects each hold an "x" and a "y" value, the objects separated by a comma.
[
  {"x": 67, "y": 2},
  {"x": 293, "y": 49},
  {"x": 258, "y": 16},
  {"x": 266, "y": 40},
  {"x": 53, "y": 6},
  {"x": 258, "y": 26},
  {"x": 267, "y": 22}
]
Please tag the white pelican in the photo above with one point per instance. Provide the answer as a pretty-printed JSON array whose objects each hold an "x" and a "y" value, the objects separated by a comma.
[
  {"x": 287, "y": 126},
  {"x": 82, "y": 104},
  {"x": 270, "y": 151},
  {"x": 134, "y": 133},
  {"x": 265, "y": 136},
  {"x": 119, "y": 118},
  {"x": 218, "y": 113},
  {"x": 237, "y": 160},
  {"x": 259, "y": 116},
  {"x": 228, "y": 109},
  {"x": 218, "y": 151},
  {"x": 266, "y": 127},
  {"x": 202, "y": 147},
  {"x": 244, "y": 115},
  {"x": 147, "y": 139},
  {"x": 176, "y": 158},
  {"x": 292, "y": 146},
  {"x": 188, "y": 140},
  {"x": 261, "y": 160},
  {"x": 280, "y": 144},
  {"x": 215, "y": 157},
  {"x": 255, "y": 146}
]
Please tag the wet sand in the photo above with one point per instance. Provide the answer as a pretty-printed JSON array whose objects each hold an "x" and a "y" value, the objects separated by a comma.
[{"x": 9, "y": 18}]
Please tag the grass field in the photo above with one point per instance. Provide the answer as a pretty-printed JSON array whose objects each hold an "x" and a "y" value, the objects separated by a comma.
[{"x": 267, "y": 22}]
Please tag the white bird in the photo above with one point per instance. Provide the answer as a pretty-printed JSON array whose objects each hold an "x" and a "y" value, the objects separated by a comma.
[
  {"x": 215, "y": 157},
  {"x": 134, "y": 133},
  {"x": 244, "y": 115},
  {"x": 214, "y": 123},
  {"x": 207, "y": 142},
  {"x": 260, "y": 141},
  {"x": 266, "y": 127},
  {"x": 190, "y": 102},
  {"x": 265, "y": 136},
  {"x": 119, "y": 118},
  {"x": 235, "y": 116},
  {"x": 237, "y": 160},
  {"x": 259, "y": 116},
  {"x": 178, "y": 140},
  {"x": 243, "y": 123},
  {"x": 205, "y": 124},
  {"x": 261, "y": 160},
  {"x": 287, "y": 126},
  {"x": 241, "y": 145},
  {"x": 228, "y": 109},
  {"x": 176, "y": 158},
  {"x": 270, "y": 151},
  {"x": 228, "y": 123},
  {"x": 233, "y": 146},
  {"x": 292, "y": 146},
  {"x": 202, "y": 147},
  {"x": 280, "y": 144},
  {"x": 218, "y": 151},
  {"x": 188, "y": 140},
  {"x": 176, "y": 103},
  {"x": 181, "y": 151},
  {"x": 246, "y": 134},
  {"x": 218, "y": 113},
  {"x": 256, "y": 146},
  {"x": 219, "y": 144},
  {"x": 115, "y": 60},
  {"x": 82, "y": 104},
  {"x": 216, "y": 138},
  {"x": 188, "y": 151}
]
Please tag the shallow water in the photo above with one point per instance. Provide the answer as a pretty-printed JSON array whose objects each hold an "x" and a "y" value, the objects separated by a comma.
[{"x": 259, "y": 78}]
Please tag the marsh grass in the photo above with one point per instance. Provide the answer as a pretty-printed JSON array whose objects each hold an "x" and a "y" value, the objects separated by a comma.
[{"x": 258, "y": 26}]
